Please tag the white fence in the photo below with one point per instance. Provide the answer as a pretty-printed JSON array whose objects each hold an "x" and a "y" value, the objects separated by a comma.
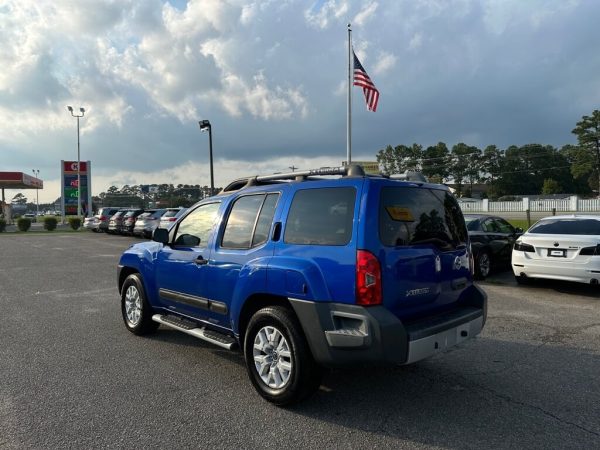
[{"x": 571, "y": 204}]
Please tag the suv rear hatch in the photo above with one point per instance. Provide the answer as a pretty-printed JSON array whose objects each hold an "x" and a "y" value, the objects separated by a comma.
[{"x": 423, "y": 249}]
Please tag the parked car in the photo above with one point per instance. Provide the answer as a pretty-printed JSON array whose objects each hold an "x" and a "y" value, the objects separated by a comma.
[
  {"x": 129, "y": 218},
  {"x": 103, "y": 217},
  {"x": 170, "y": 217},
  {"x": 30, "y": 216},
  {"x": 115, "y": 224},
  {"x": 559, "y": 248},
  {"x": 319, "y": 272},
  {"x": 492, "y": 239},
  {"x": 91, "y": 223},
  {"x": 147, "y": 222}
]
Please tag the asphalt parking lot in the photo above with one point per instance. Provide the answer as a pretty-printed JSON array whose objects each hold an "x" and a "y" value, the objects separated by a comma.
[{"x": 71, "y": 376}]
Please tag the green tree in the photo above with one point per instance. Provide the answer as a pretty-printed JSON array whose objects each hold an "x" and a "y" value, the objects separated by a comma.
[
  {"x": 401, "y": 158},
  {"x": 586, "y": 159},
  {"x": 490, "y": 164},
  {"x": 463, "y": 166},
  {"x": 434, "y": 164},
  {"x": 524, "y": 169},
  {"x": 551, "y": 186}
]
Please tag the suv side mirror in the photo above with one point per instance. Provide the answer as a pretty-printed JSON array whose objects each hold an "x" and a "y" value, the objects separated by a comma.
[
  {"x": 161, "y": 235},
  {"x": 519, "y": 230}
]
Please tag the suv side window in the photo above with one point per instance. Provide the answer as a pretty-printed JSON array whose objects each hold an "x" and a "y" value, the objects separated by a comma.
[
  {"x": 194, "y": 230},
  {"x": 321, "y": 217},
  {"x": 249, "y": 221}
]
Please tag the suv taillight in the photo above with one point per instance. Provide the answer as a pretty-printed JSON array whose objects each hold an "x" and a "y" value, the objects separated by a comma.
[{"x": 368, "y": 279}]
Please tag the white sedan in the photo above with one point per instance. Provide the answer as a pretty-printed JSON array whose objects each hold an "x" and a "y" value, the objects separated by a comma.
[{"x": 559, "y": 248}]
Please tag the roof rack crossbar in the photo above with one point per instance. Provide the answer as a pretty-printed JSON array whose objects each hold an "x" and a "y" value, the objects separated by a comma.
[
  {"x": 352, "y": 170},
  {"x": 304, "y": 173}
]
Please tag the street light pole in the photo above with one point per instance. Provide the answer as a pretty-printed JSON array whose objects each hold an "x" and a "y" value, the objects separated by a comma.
[
  {"x": 205, "y": 125},
  {"x": 70, "y": 109},
  {"x": 36, "y": 172}
]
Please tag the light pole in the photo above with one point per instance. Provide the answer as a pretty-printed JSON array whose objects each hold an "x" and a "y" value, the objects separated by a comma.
[
  {"x": 205, "y": 125},
  {"x": 36, "y": 172},
  {"x": 70, "y": 109}
]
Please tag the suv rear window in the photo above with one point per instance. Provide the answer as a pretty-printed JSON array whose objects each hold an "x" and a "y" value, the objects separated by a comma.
[
  {"x": 567, "y": 226},
  {"x": 413, "y": 216},
  {"x": 321, "y": 217}
]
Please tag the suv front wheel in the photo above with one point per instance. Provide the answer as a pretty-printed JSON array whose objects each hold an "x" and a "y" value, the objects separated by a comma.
[
  {"x": 279, "y": 362},
  {"x": 137, "y": 312}
]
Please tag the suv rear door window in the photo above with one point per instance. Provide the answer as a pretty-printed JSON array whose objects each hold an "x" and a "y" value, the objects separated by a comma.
[
  {"x": 321, "y": 217},
  {"x": 244, "y": 227},
  {"x": 414, "y": 216},
  {"x": 567, "y": 226}
]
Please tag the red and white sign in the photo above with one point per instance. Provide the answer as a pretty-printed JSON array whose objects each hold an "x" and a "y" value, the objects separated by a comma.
[{"x": 71, "y": 167}]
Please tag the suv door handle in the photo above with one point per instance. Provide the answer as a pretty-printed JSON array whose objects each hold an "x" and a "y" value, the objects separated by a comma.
[{"x": 201, "y": 261}]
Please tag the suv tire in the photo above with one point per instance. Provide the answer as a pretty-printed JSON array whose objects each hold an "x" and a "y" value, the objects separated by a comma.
[
  {"x": 483, "y": 265},
  {"x": 136, "y": 311},
  {"x": 279, "y": 362}
]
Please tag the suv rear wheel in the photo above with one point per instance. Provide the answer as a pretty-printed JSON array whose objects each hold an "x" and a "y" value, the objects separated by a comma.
[{"x": 279, "y": 362}]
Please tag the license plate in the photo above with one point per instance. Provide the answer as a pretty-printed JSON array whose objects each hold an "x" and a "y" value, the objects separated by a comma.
[{"x": 557, "y": 253}]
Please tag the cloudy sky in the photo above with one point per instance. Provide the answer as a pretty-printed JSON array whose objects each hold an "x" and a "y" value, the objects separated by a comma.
[{"x": 270, "y": 76}]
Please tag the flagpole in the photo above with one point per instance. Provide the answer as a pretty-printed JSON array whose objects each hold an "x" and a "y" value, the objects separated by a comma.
[{"x": 349, "y": 118}]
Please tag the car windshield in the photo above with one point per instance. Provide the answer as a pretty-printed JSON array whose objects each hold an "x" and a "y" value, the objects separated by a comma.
[
  {"x": 471, "y": 223},
  {"x": 144, "y": 215},
  {"x": 419, "y": 216},
  {"x": 567, "y": 226}
]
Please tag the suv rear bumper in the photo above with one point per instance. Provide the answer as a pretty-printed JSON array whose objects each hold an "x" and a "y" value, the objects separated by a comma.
[{"x": 341, "y": 335}]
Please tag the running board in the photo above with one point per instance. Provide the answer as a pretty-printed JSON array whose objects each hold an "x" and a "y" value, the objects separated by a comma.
[{"x": 191, "y": 328}]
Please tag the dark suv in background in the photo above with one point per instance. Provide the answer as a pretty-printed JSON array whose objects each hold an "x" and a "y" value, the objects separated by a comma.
[
  {"x": 115, "y": 223},
  {"x": 129, "y": 218}
]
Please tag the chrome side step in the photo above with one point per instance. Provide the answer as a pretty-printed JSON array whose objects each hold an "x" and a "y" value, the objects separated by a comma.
[{"x": 188, "y": 327}]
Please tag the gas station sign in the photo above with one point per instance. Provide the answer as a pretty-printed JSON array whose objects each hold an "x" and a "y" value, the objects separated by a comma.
[{"x": 70, "y": 191}]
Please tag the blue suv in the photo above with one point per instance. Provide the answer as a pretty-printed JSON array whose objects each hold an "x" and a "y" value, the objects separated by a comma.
[{"x": 307, "y": 270}]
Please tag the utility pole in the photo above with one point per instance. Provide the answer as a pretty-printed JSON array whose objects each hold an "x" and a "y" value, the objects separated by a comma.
[
  {"x": 292, "y": 168},
  {"x": 70, "y": 109},
  {"x": 36, "y": 172}
]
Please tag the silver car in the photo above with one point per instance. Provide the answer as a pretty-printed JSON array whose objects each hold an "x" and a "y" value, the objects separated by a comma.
[
  {"x": 147, "y": 222},
  {"x": 171, "y": 216}
]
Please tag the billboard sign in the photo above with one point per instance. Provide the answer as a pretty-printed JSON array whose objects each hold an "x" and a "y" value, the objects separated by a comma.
[{"x": 70, "y": 191}]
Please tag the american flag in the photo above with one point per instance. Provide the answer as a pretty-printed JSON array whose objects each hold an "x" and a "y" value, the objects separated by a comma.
[{"x": 362, "y": 79}]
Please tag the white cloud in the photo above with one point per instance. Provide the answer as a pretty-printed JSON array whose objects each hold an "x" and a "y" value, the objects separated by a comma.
[
  {"x": 365, "y": 14},
  {"x": 385, "y": 62},
  {"x": 321, "y": 15},
  {"x": 416, "y": 41}
]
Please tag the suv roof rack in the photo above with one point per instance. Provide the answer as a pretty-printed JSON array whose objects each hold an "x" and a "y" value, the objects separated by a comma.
[
  {"x": 410, "y": 175},
  {"x": 353, "y": 170}
]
